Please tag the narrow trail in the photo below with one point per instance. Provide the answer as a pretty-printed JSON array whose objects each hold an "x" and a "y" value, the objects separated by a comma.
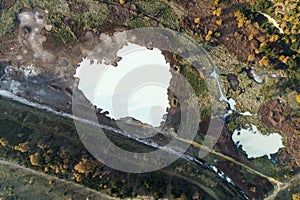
[
  {"x": 278, "y": 186},
  {"x": 206, "y": 189},
  {"x": 283, "y": 186},
  {"x": 195, "y": 144},
  {"x": 50, "y": 177}
]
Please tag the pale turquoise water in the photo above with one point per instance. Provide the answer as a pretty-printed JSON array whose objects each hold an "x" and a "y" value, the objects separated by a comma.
[{"x": 255, "y": 144}]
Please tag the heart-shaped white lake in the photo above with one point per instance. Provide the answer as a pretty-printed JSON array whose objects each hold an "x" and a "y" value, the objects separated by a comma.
[{"x": 136, "y": 88}]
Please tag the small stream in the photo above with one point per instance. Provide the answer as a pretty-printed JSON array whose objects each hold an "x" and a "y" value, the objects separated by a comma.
[
  {"x": 230, "y": 101},
  {"x": 253, "y": 142},
  {"x": 184, "y": 156}
]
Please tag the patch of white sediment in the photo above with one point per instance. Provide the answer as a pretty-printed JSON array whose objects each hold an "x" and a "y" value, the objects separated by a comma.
[
  {"x": 255, "y": 144},
  {"x": 231, "y": 102},
  {"x": 136, "y": 88},
  {"x": 273, "y": 21}
]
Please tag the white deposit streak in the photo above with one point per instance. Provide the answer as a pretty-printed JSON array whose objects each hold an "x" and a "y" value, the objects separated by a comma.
[
  {"x": 186, "y": 157},
  {"x": 231, "y": 102},
  {"x": 273, "y": 21}
]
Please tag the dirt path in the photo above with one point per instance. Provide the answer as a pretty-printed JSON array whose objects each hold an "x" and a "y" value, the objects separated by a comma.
[
  {"x": 283, "y": 186},
  {"x": 206, "y": 189},
  {"x": 277, "y": 184},
  {"x": 49, "y": 177}
]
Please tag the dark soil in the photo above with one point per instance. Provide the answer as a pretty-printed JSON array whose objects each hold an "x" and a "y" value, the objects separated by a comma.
[{"x": 280, "y": 117}]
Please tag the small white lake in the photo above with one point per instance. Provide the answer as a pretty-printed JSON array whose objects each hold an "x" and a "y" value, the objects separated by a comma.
[
  {"x": 136, "y": 88},
  {"x": 255, "y": 144}
]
